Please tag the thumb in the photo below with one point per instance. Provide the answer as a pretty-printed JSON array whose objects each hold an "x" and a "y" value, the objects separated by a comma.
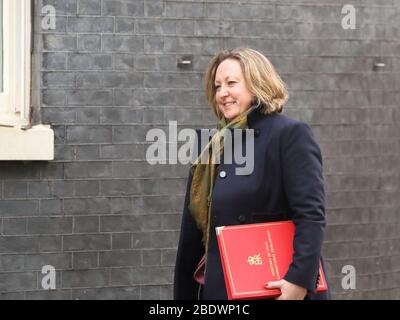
[{"x": 274, "y": 284}]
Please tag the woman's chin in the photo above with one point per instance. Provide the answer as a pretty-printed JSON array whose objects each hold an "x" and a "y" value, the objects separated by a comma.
[{"x": 230, "y": 115}]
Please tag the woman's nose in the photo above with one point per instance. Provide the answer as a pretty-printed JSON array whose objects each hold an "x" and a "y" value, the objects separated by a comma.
[{"x": 223, "y": 92}]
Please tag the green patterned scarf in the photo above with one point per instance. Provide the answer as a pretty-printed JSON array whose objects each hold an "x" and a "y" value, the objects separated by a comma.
[{"x": 204, "y": 173}]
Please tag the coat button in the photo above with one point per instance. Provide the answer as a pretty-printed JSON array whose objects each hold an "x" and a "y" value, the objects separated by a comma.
[
  {"x": 222, "y": 174},
  {"x": 256, "y": 132},
  {"x": 242, "y": 218}
]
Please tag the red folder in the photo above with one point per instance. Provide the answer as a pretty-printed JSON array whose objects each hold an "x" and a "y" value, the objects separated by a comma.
[{"x": 254, "y": 254}]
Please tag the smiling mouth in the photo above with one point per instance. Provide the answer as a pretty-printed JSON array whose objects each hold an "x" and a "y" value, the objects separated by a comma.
[{"x": 228, "y": 104}]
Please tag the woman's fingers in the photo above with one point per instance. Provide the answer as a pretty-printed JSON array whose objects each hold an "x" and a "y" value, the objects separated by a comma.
[{"x": 274, "y": 284}]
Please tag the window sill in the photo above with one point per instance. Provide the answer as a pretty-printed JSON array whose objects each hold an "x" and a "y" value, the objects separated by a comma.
[{"x": 36, "y": 143}]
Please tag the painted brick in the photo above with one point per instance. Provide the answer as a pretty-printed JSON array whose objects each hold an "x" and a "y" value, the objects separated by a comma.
[
  {"x": 15, "y": 189},
  {"x": 57, "y": 116},
  {"x": 122, "y": 43},
  {"x": 120, "y": 223},
  {"x": 184, "y": 10},
  {"x": 53, "y": 225},
  {"x": 50, "y": 207},
  {"x": 39, "y": 189},
  {"x": 18, "y": 281},
  {"x": 63, "y": 188},
  {"x": 87, "y": 152},
  {"x": 121, "y": 241},
  {"x": 121, "y": 206},
  {"x": 89, "y": 97},
  {"x": 151, "y": 275},
  {"x": 54, "y": 61},
  {"x": 89, "y": 80},
  {"x": 52, "y": 171},
  {"x": 135, "y": 151},
  {"x": 89, "y": 61},
  {"x": 67, "y": 7},
  {"x": 107, "y": 293},
  {"x": 87, "y": 188},
  {"x": 89, "y": 42},
  {"x": 89, "y": 24},
  {"x": 93, "y": 134},
  {"x": 153, "y": 44},
  {"x": 58, "y": 79},
  {"x": 168, "y": 257},
  {"x": 85, "y": 278},
  {"x": 81, "y": 206},
  {"x": 49, "y": 295},
  {"x": 123, "y": 61},
  {"x": 124, "y": 25},
  {"x": 60, "y": 26},
  {"x": 86, "y": 224},
  {"x": 53, "y": 97},
  {"x": 86, "y": 242},
  {"x": 12, "y": 296},
  {"x": 151, "y": 257},
  {"x": 36, "y": 262},
  {"x": 120, "y": 258},
  {"x": 14, "y": 226},
  {"x": 49, "y": 243},
  {"x": 166, "y": 292},
  {"x": 89, "y": 115},
  {"x": 123, "y": 8},
  {"x": 12, "y": 262},
  {"x": 59, "y": 42},
  {"x": 90, "y": 7},
  {"x": 153, "y": 8},
  {"x": 150, "y": 293},
  {"x": 18, "y": 208},
  {"x": 149, "y": 27},
  {"x": 118, "y": 80},
  {"x": 85, "y": 260},
  {"x": 15, "y": 244}
]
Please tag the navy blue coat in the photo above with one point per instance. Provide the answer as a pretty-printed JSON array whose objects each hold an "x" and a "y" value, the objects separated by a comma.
[{"x": 286, "y": 183}]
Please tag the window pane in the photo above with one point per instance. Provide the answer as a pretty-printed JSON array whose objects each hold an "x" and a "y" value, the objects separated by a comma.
[{"x": 1, "y": 45}]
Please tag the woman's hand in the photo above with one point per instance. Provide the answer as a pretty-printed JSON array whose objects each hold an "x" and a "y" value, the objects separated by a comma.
[{"x": 289, "y": 290}]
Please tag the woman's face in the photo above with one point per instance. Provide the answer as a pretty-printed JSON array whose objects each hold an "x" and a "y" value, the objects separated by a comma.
[{"x": 232, "y": 95}]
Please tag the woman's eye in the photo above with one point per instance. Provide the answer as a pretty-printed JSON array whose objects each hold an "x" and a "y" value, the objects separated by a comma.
[
  {"x": 217, "y": 87},
  {"x": 231, "y": 83}
]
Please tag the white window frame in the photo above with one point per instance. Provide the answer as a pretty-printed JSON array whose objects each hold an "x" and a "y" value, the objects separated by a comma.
[
  {"x": 1, "y": 46},
  {"x": 15, "y": 98},
  {"x": 18, "y": 140}
]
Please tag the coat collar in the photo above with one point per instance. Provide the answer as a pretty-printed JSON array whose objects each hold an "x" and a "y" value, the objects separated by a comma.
[{"x": 255, "y": 116}]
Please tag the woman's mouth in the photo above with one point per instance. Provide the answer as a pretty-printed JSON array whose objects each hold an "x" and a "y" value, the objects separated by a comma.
[{"x": 228, "y": 104}]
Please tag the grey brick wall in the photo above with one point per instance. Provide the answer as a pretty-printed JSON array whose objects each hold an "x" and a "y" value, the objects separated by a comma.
[{"x": 109, "y": 222}]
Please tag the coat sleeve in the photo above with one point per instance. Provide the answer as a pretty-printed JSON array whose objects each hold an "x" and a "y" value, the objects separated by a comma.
[
  {"x": 190, "y": 251},
  {"x": 304, "y": 189}
]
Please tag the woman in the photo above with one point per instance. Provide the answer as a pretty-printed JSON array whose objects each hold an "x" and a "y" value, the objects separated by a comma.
[{"x": 245, "y": 92}]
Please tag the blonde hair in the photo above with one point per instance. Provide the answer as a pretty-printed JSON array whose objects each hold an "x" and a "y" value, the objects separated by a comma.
[{"x": 260, "y": 76}]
